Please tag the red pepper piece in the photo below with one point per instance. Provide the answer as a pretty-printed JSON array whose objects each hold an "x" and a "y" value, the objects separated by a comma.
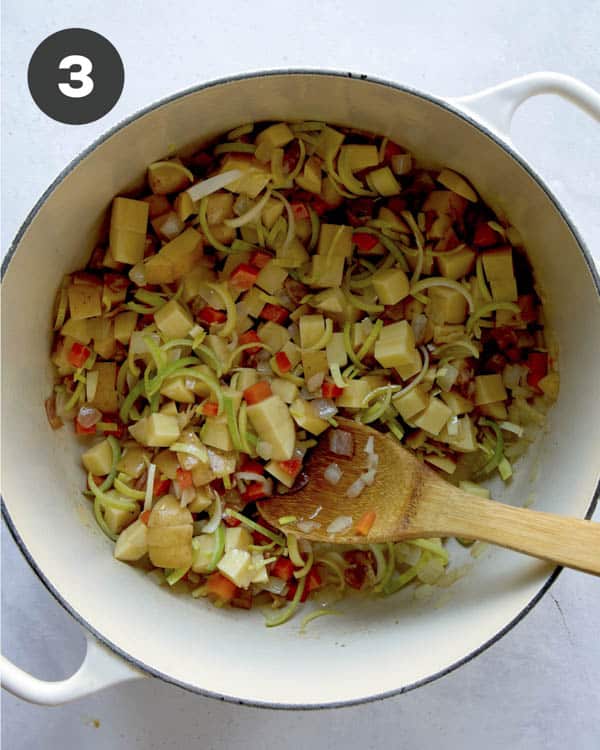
[
  {"x": 244, "y": 276},
  {"x": 391, "y": 149},
  {"x": 78, "y": 355},
  {"x": 364, "y": 242},
  {"x": 485, "y": 236},
  {"x": 248, "y": 338},
  {"x": 254, "y": 491},
  {"x": 184, "y": 477},
  {"x": 274, "y": 313},
  {"x": 537, "y": 362},
  {"x": 283, "y": 362},
  {"x": 209, "y": 315},
  {"x": 258, "y": 392},
  {"x": 210, "y": 409},
  {"x": 528, "y": 308},
  {"x": 252, "y": 467},
  {"x": 300, "y": 211},
  {"x": 331, "y": 390},
  {"x": 160, "y": 486},
  {"x": 283, "y": 568},
  {"x": 291, "y": 467},
  {"x": 260, "y": 258},
  {"x": 81, "y": 430}
]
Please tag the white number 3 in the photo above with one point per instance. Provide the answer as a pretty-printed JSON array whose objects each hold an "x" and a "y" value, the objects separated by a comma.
[{"x": 81, "y": 76}]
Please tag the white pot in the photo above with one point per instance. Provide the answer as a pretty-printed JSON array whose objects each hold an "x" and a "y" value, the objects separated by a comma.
[{"x": 379, "y": 647}]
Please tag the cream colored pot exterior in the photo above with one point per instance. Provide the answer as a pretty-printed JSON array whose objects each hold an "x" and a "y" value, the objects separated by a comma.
[{"x": 379, "y": 647}]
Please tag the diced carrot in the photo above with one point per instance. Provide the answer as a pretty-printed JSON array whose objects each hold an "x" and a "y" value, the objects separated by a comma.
[
  {"x": 209, "y": 315},
  {"x": 161, "y": 486},
  {"x": 145, "y": 516},
  {"x": 283, "y": 362},
  {"x": 221, "y": 587},
  {"x": 364, "y": 242},
  {"x": 274, "y": 313},
  {"x": 282, "y": 568},
  {"x": 252, "y": 467},
  {"x": 97, "y": 480},
  {"x": 537, "y": 362},
  {"x": 249, "y": 338},
  {"x": 391, "y": 149},
  {"x": 210, "y": 409},
  {"x": 331, "y": 390},
  {"x": 291, "y": 466},
  {"x": 527, "y": 306},
  {"x": 254, "y": 491},
  {"x": 184, "y": 477},
  {"x": 313, "y": 581},
  {"x": 81, "y": 430},
  {"x": 300, "y": 211},
  {"x": 260, "y": 258},
  {"x": 244, "y": 276},
  {"x": 258, "y": 392},
  {"x": 365, "y": 522},
  {"x": 485, "y": 236},
  {"x": 78, "y": 355}
]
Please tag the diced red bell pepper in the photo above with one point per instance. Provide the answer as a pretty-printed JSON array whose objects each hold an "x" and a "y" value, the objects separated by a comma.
[
  {"x": 331, "y": 390},
  {"x": 81, "y": 430},
  {"x": 259, "y": 538},
  {"x": 485, "y": 236},
  {"x": 274, "y": 313},
  {"x": 252, "y": 467},
  {"x": 184, "y": 477},
  {"x": 283, "y": 568},
  {"x": 319, "y": 206},
  {"x": 397, "y": 204},
  {"x": 291, "y": 467},
  {"x": 260, "y": 258},
  {"x": 119, "y": 428},
  {"x": 210, "y": 409},
  {"x": 364, "y": 242},
  {"x": 249, "y": 338},
  {"x": 391, "y": 149},
  {"x": 504, "y": 336},
  {"x": 300, "y": 211},
  {"x": 78, "y": 355},
  {"x": 528, "y": 309},
  {"x": 537, "y": 362},
  {"x": 160, "y": 486},
  {"x": 97, "y": 480},
  {"x": 254, "y": 491},
  {"x": 209, "y": 315},
  {"x": 231, "y": 522},
  {"x": 258, "y": 392},
  {"x": 283, "y": 362},
  {"x": 221, "y": 587},
  {"x": 313, "y": 581},
  {"x": 244, "y": 276},
  {"x": 145, "y": 516}
]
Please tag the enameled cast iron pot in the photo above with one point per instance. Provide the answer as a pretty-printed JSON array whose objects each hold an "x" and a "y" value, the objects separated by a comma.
[{"x": 380, "y": 647}]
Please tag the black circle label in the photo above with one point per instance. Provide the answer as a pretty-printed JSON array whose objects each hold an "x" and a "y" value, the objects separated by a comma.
[{"x": 76, "y": 76}]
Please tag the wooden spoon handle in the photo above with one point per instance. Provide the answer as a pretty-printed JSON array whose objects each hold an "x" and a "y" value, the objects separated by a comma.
[{"x": 571, "y": 542}]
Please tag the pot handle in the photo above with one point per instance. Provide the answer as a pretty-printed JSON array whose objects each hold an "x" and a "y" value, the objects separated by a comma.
[
  {"x": 100, "y": 668},
  {"x": 494, "y": 107}
]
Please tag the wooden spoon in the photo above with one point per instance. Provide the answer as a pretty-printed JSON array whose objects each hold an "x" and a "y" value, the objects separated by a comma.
[{"x": 411, "y": 500}]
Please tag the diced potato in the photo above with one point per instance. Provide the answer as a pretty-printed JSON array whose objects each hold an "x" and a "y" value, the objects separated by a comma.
[
  {"x": 183, "y": 252},
  {"x": 219, "y": 206},
  {"x": 202, "y": 474},
  {"x": 271, "y": 212},
  {"x": 446, "y": 305},
  {"x": 310, "y": 179},
  {"x": 294, "y": 255},
  {"x": 446, "y": 202},
  {"x": 328, "y": 142},
  {"x": 412, "y": 368},
  {"x": 330, "y": 300},
  {"x": 199, "y": 387},
  {"x": 106, "y": 399},
  {"x": 255, "y": 175},
  {"x": 103, "y": 333},
  {"x": 465, "y": 439},
  {"x": 306, "y": 418},
  {"x": 550, "y": 385},
  {"x": 416, "y": 439},
  {"x": 85, "y": 301},
  {"x": 231, "y": 263},
  {"x": 329, "y": 194},
  {"x": 272, "y": 421},
  {"x": 395, "y": 345},
  {"x": 354, "y": 394},
  {"x": 184, "y": 206},
  {"x": 285, "y": 389},
  {"x": 434, "y": 417},
  {"x": 173, "y": 320},
  {"x": 216, "y": 433},
  {"x": 128, "y": 224},
  {"x": 251, "y": 303},
  {"x": 327, "y": 270},
  {"x": 169, "y": 408},
  {"x": 168, "y": 177},
  {"x": 156, "y": 430},
  {"x": 125, "y": 324},
  {"x": 312, "y": 329},
  {"x": 395, "y": 222},
  {"x": 203, "y": 551},
  {"x": 170, "y": 530},
  {"x": 98, "y": 459},
  {"x": 292, "y": 352},
  {"x": 489, "y": 388},
  {"x": 176, "y": 389},
  {"x": 457, "y": 403},
  {"x": 132, "y": 462},
  {"x": 411, "y": 403},
  {"x": 202, "y": 501},
  {"x": 247, "y": 376},
  {"x": 383, "y": 181},
  {"x": 159, "y": 270},
  {"x": 117, "y": 518},
  {"x": 218, "y": 345},
  {"x": 494, "y": 411},
  {"x": 390, "y": 285},
  {"x": 498, "y": 267},
  {"x": 275, "y": 336},
  {"x": 235, "y": 565},
  {"x": 360, "y": 156},
  {"x": 271, "y": 278},
  {"x": 237, "y": 537},
  {"x": 456, "y": 265},
  {"x": 167, "y": 463},
  {"x": 132, "y": 543},
  {"x": 444, "y": 463},
  {"x": 275, "y": 135},
  {"x": 79, "y": 330},
  {"x": 335, "y": 240},
  {"x": 336, "y": 350},
  {"x": 274, "y": 468},
  {"x": 314, "y": 363},
  {"x": 457, "y": 184}
]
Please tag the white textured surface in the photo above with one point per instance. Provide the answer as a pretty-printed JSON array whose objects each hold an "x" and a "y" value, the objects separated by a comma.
[{"x": 537, "y": 687}]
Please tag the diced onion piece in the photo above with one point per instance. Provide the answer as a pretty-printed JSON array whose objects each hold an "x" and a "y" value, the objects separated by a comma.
[
  {"x": 369, "y": 477},
  {"x": 250, "y": 215},
  {"x": 275, "y": 586},
  {"x": 137, "y": 274},
  {"x": 91, "y": 384},
  {"x": 332, "y": 474},
  {"x": 149, "y": 486},
  {"x": 315, "y": 382},
  {"x": 250, "y": 476},
  {"x": 215, "y": 518},
  {"x": 308, "y": 526},
  {"x": 324, "y": 407},
  {"x": 341, "y": 442},
  {"x": 419, "y": 324},
  {"x": 88, "y": 416},
  {"x": 264, "y": 449},
  {"x": 339, "y": 524},
  {"x": 188, "y": 494},
  {"x": 356, "y": 487},
  {"x": 401, "y": 163},
  {"x": 212, "y": 184},
  {"x": 370, "y": 446},
  {"x": 446, "y": 377}
]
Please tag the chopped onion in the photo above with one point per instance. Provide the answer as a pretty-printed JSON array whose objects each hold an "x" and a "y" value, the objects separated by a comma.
[
  {"x": 187, "y": 496},
  {"x": 368, "y": 477},
  {"x": 91, "y": 384},
  {"x": 137, "y": 274},
  {"x": 215, "y": 519},
  {"x": 419, "y": 324},
  {"x": 149, "y": 486},
  {"x": 356, "y": 487},
  {"x": 177, "y": 491},
  {"x": 264, "y": 449},
  {"x": 88, "y": 416},
  {"x": 212, "y": 184},
  {"x": 172, "y": 226},
  {"x": 370, "y": 446},
  {"x": 453, "y": 426},
  {"x": 315, "y": 382},
  {"x": 401, "y": 163},
  {"x": 250, "y": 476},
  {"x": 332, "y": 474},
  {"x": 341, "y": 442},
  {"x": 188, "y": 461},
  {"x": 339, "y": 524},
  {"x": 275, "y": 585},
  {"x": 324, "y": 407},
  {"x": 308, "y": 526},
  {"x": 446, "y": 377},
  {"x": 250, "y": 215},
  {"x": 512, "y": 375}
]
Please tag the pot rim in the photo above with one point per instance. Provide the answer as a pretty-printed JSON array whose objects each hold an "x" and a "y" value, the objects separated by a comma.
[{"x": 443, "y": 104}]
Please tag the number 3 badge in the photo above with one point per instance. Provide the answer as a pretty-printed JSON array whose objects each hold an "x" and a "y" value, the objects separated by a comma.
[{"x": 76, "y": 76}]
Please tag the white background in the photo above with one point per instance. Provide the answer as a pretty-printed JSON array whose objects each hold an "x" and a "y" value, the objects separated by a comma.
[{"x": 538, "y": 687}]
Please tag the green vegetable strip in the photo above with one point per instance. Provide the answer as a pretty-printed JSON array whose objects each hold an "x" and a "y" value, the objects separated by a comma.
[
  {"x": 211, "y": 239},
  {"x": 348, "y": 344},
  {"x": 485, "y": 310},
  {"x": 176, "y": 575},
  {"x": 370, "y": 340},
  {"x": 123, "y": 489},
  {"x": 431, "y": 546},
  {"x": 315, "y": 224},
  {"x": 362, "y": 304},
  {"x": 232, "y": 424},
  {"x": 230, "y": 307},
  {"x": 391, "y": 567},
  {"x": 314, "y": 615},
  {"x": 197, "y": 451},
  {"x": 116, "y": 457},
  {"x": 208, "y": 354},
  {"x": 400, "y": 581},
  {"x": 101, "y": 522},
  {"x": 498, "y": 448},
  {"x": 256, "y": 526},
  {"x": 288, "y": 612},
  {"x": 337, "y": 569},
  {"x": 130, "y": 399},
  {"x": 219, "y": 547},
  {"x": 165, "y": 372},
  {"x": 108, "y": 502}
]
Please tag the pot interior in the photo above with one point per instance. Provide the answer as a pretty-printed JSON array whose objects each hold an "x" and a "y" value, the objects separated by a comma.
[{"x": 376, "y": 647}]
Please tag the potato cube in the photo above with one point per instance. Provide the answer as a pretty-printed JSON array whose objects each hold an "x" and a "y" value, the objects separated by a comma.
[
  {"x": 237, "y": 537},
  {"x": 80, "y": 330},
  {"x": 314, "y": 363},
  {"x": 328, "y": 143},
  {"x": 395, "y": 345},
  {"x": 167, "y": 463},
  {"x": 255, "y": 175},
  {"x": 390, "y": 285},
  {"x": 294, "y": 255},
  {"x": 457, "y": 184},
  {"x": 271, "y": 278},
  {"x": 327, "y": 270},
  {"x": 496, "y": 410},
  {"x": 105, "y": 399},
  {"x": 463, "y": 438},
  {"x": 169, "y": 408},
  {"x": 216, "y": 433},
  {"x": 184, "y": 206},
  {"x": 446, "y": 305},
  {"x": 173, "y": 320},
  {"x": 98, "y": 459},
  {"x": 330, "y": 300},
  {"x": 285, "y": 389},
  {"x": 445, "y": 202},
  {"x": 202, "y": 501},
  {"x": 498, "y": 267},
  {"x": 336, "y": 350},
  {"x": 275, "y": 135},
  {"x": 219, "y": 206},
  {"x": 412, "y": 368},
  {"x": 329, "y": 194},
  {"x": 434, "y": 417},
  {"x": 156, "y": 430},
  {"x": 335, "y": 240},
  {"x": 488, "y": 389},
  {"x": 394, "y": 221},
  {"x": 354, "y": 394},
  {"x": 292, "y": 352},
  {"x": 251, "y": 303},
  {"x": 360, "y": 156},
  {"x": 275, "y": 336},
  {"x": 85, "y": 301},
  {"x": 176, "y": 389},
  {"x": 168, "y": 177},
  {"x": 310, "y": 179},
  {"x": 117, "y": 518},
  {"x": 274, "y": 468},
  {"x": 235, "y": 565},
  {"x": 271, "y": 212},
  {"x": 456, "y": 265},
  {"x": 306, "y": 418},
  {"x": 159, "y": 270},
  {"x": 382, "y": 180},
  {"x": 184, "y": 251},
  {"x": 457, "y": 403},
  {"x": 444, "y": 463},
  {"x": 550, "y": 385},
  {"x": 132, "y": 543},
  {"x": 247, "y": 376},
  {"x": 133, "y": 462},
  {"x": 170, "y": 546},
  {"x": 411, "y": 403},
  {"x": 128, "y": 224},
  {"x": 272, "y": 421},
  {"x": 202, "y": 474},
  {"x": 203, "y": 550},
  {"x": 125, "y": 324},
  {"x": 312, "y": 330}
]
